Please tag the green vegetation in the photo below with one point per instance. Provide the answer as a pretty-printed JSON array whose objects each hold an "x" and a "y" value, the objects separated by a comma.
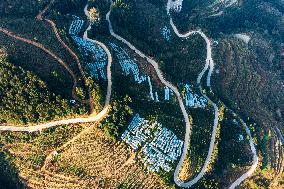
[
  {"x": 27, "y": 8},
  {"x": 97, "y": 94},
  {"x": 26, "y": 99},
  {"x": 70, "y": 6},
  {"x": 123, "y": 186},
  {"x": 167, "y": 112},
  {"x": 31, "y": 148},
  {"x": 75, "y": 170},
  {"x": 248, "y": 78},
  {"x": 119, "y": 116},
  {"x": 27, "y": 151},
  {"x": 233, "y": 153},
  {"x": 207, "y": 182},
  {"x": 122, "y": 9},
  {"x": 181, "y": 60},
  {"x": 34, "y": 89},
  {"x": 30, "y": 58},
  {"x": 167, "y": 177}
]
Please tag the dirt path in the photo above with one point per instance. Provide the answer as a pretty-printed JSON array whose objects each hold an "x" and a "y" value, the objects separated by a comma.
[
  {"x": 97, "y": 117},
  {"x": 92, "y": 117},
  {"x": 55, "y": 31},
  {"x": 209, "y": 64},
  {"x": 41, "y": 13},
  {"x": 49, "y": 52}
]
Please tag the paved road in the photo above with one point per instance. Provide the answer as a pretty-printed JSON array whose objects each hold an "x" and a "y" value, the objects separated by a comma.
[
  {"x": 160, "y": 76},
  {"x": 255, "y": 158},
  {"x": 209, "y": 62},
  {"x": 109, "y": 57},
  {"x": 91, "y": 118}
]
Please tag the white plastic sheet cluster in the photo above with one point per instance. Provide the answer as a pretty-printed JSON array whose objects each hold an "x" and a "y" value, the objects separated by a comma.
[
  {"x": 98, "y": 67},
  {"x": 151, "y": 88},
  {"x": 168, "y": 93},
  {"x": 76, "y": 26},
  {"x": 166, "y": 32},
  {"x": 176, "y": 5},
  {"x": 160, "y": 146},
  {"x": 193, "y": 100},
  {"x": 127, "y": 64}
]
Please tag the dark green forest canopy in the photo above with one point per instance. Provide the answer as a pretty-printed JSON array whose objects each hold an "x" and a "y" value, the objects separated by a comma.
[{"x": 24, "y": 98}]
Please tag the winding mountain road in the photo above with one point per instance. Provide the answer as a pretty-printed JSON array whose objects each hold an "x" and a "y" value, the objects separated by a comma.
[
  {"x": 209, "y": 62},
  {"x": 253, "y": 150},
  {"x": 109, "y": 57},
  {"x": 92, "y": 117}
]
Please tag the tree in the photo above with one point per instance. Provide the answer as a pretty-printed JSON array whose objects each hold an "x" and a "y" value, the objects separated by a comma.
[
  {"x": 118, "y": 118},
  {"x": 122, "y": 10},
  {"x": 25, "y": 98},
  {"x": 94, "y": 15}
]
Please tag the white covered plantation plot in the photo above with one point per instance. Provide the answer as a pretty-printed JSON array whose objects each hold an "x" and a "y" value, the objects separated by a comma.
[
  {"x": 76, "y": 26},
  {"x": 193, "y": 100},
  {"x": 166, "y": 32},
  {"x": 87, "y": 48},
  {"x": 160, "y": 147},
  {"x": 127, "y": 64}
]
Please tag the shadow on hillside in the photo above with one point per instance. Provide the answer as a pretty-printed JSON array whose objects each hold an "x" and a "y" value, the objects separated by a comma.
[{"x": 9, "y": 177}]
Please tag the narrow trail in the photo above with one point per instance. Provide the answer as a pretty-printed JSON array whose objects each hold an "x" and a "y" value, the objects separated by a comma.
[
  {"x": 90, "y": 101},
  {"x": 92, "y": 117},
  {"x": 209, "y": 65},
  {"x": 49, "y": 52},
  {"x": 55, "y": 31},
  {"x": 41, "y": 13},
  {"x": 209, "y": 62}
]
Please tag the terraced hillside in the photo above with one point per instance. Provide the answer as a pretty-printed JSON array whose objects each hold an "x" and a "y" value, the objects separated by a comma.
[
  {"x": 242, "y": 76},
  {"x": 110, "y": 164},
  {"x": 91, "y": 161},
  {"x": 176, "y": 100}
]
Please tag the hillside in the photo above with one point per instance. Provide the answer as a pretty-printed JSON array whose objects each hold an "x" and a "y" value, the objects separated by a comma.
[
  {"x": 142, "y": 94},
  {"x": 26, "y": 99}
]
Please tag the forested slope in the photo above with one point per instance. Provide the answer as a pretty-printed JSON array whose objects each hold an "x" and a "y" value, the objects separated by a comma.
[{"x": 24, "y": 98}]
